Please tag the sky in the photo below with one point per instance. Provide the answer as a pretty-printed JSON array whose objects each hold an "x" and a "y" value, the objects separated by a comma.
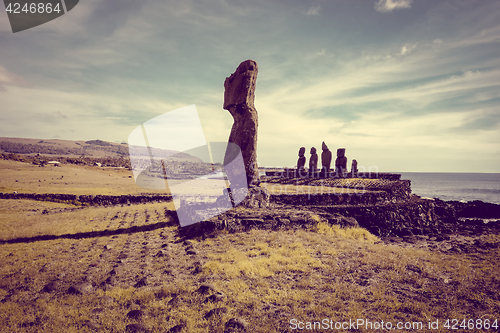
[{"x": 403, "y": 85}]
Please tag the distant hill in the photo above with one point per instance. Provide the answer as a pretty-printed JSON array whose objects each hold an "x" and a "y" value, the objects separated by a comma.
[{"x": 82, "y": 152}]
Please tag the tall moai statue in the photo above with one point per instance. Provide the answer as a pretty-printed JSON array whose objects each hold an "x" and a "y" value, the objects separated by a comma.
[
  {"x": 326, "y": 159},
  {"x": 301, "y": 162},
  {"x": 313, "y": 162},
  {"x": 341, "y": 162},
  {"x": 239, "y": 96},
  {"x": 354, "y": 169}
]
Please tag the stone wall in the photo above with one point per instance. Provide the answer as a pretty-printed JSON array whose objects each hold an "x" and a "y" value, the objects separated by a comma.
[
  {"x": 415, "y": 217},
  {"x": 89, "y": 200},
  {"x": 367, "y": 198}
]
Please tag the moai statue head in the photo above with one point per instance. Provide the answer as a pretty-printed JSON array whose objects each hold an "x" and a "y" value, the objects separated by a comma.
[
  {"x": 313, "y": 151},
  {"x": 324, "y": 146},
  {"x": 341, "y": 152},
  {"x": 302, "y": 151}
]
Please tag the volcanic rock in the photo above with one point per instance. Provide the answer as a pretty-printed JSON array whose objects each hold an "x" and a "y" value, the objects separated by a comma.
[{"x": 239, "y": 96}]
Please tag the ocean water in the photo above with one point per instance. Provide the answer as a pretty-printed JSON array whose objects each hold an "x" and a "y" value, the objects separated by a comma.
[{"x": 456, "y": 186}]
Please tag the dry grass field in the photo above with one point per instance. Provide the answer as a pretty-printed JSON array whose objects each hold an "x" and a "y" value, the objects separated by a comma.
[{"x": 105, "y": 268}]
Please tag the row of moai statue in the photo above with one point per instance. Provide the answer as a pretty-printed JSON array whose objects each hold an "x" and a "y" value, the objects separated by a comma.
[{"x": 326, "y": 159}]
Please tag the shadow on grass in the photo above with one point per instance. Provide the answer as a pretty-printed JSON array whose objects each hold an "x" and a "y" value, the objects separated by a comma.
[{"x": 173, "y": 221}]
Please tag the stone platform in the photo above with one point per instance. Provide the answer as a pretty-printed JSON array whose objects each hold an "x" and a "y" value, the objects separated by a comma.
[{"x": 292, "y": 173}]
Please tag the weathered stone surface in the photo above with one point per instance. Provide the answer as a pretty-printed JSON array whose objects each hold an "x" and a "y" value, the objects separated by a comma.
[
  {"x": 206, "y": 288},
  {"x": 135, "y": 314},
  {"x": 341, "y": 162},
  {"x": 257, "y": 197},
  {"x": 81, "y": 288},
  {"x": 239, "y": 96},
  {"x": 354, "y": 169},
  {"x": 91, "y": 325},
  {"x": 326, "y": 157},
  {"x": 313, "y": 162},
  {"x": 88, "y": 200},
  {"x": 141, "y": 283},
  {"x": 301, "y": 162},
  {"x": 217, "y": 297},
  {"x": 132, "y": 328},
  {"x": 216, "y": 312},
  {"x": 234, "y": 325},
  {"x": 177, "y": 328}
]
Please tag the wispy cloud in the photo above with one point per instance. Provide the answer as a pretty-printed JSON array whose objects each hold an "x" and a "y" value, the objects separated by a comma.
[
  {"x": 385, "y": 6},
  {"x": 397, "y": 93},
  {"x": 407, "y": 48},
  {"x": 11, "y": 79},
  {"x": 314, "y": 10}
]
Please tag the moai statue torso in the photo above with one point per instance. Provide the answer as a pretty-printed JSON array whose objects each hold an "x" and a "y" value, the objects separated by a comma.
[
  {"x": 313, "y": 161},
  {"x": 301, "y": 162},
  {"x": 340, "y": 162},
  {"x": 326, "y": 158}
]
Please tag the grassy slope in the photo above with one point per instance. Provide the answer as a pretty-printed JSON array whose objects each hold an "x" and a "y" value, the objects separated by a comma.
[{"x": 268, "y": 277}]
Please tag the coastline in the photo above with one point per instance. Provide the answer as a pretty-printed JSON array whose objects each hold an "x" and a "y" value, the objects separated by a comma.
[{"x": 452, "y": 186}]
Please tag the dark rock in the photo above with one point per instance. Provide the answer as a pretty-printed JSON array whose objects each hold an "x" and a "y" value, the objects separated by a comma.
[
  {"x": 107, "y": 300},
  {"x": 235, "y": 325},
  {"x": 51, "y": 286},
  {"x": 91, "y": 325},
  {"x": 122, "y": 255},
  {"x": 192, "y": 252},
  {"x": 206, "y": 288},
  {"x": 132, "y": 328},
  {"x": 252, "y": 222},
  {"x": 111, "y": 280},
  {"x": 343, "y": 221},
  {"x": 135, "y": 314},
  {"x": 257, "y": 197},
  {"x": 160, "y": 254},
  {"x": 161, "y": 294},
  {"x": 283, "y": 220},
  {"x": 81, "y": 288},
  {"x": 174, "y": 301},
  {"x": 215, "y": 312},
  {"x": 217, "y": 297},
  {"x": 239, "y": 96},
  {"x": 413, "y": 268},
  {"x": 142, "y": 283},
  {"x": 177, "y": 328}
]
